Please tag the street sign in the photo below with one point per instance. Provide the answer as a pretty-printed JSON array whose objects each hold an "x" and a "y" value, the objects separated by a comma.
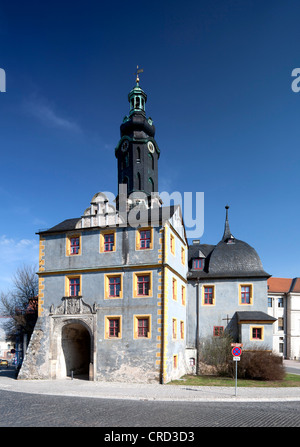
[
  {"x": 238, "y": 345},
  {"x": 236, "y": 352},
  {"x": 236, "y": 359}
]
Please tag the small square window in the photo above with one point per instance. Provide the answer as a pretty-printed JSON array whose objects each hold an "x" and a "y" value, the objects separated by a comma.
[
  {"x": 198, "y": 263},
  {"x": 218, "y": 331}
]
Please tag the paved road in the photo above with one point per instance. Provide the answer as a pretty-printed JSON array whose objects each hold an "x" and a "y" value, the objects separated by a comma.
[
  {"x": 78, "y": 403},
  {"x": 31, "y": 410}
]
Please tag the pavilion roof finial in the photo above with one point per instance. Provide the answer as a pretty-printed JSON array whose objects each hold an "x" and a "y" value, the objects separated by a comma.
[
  {"x": 138, "y": 71},
  {"x": 227, "y": 233}
]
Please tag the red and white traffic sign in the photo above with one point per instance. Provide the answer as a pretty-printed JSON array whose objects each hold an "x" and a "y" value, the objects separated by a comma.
[{"x": 236, "y": 351}]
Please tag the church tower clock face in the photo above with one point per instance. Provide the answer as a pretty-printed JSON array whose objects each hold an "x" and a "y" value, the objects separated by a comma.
[
  {"x": 150, "y": 147},
  {"x": 125, "y": 146}
]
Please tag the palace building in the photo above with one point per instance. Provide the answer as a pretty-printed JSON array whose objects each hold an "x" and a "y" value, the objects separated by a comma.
[{"x": 122, "y": 294}]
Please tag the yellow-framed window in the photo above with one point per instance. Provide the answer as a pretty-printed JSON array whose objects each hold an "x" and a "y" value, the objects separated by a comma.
[
  {"x": 73, "y": 244},
  {"x": 183, "y": 295},
  {"x": 175, "y": 361},
  {"x": 174, "y": 328},
  {"x": 73, "y": 284},
  {"x": 208, "y": 295},
  {"x": 144, "y": 238},
  {"x": 113, "y": 285},
  {"x": 245, "y": 294},
  {"x": 182, "y": 330},
  {"x": 108, "y": 241},
  {"x": 142, "y": 326},
  {"x": 174, "y": 289},
  {"x": 172, "y": 243},
  {"x": 257, "y": 333},
  {"x": 182, "y": 255},
  {"x": 113, "y": 327},
  {"x": 142, "y": 284}
]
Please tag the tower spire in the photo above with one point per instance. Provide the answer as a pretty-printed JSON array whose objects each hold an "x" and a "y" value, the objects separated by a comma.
[{"x": 227, "y": 233}]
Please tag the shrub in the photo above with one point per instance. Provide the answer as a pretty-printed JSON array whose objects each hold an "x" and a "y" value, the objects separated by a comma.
[
  {"x": 260, "y": 364},
  {"x": 215, "y": 352}
]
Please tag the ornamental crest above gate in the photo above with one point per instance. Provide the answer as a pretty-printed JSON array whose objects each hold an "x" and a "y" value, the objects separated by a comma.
[{"x": 73, "y": 306}]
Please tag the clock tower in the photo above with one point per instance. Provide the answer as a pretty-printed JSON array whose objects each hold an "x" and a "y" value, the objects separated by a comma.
[{"x": 137, "y": 153}]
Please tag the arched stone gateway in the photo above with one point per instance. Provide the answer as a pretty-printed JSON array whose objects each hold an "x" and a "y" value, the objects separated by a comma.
[
  {"x": 72, "y": 340},
  {"x": 76, "y": 349}
]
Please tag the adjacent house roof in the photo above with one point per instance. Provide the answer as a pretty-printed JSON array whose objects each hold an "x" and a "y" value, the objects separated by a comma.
[{"x": 283, "y": 285}]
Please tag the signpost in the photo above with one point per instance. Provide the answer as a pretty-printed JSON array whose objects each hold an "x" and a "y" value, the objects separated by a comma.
[{"x": 236, "y": 352}]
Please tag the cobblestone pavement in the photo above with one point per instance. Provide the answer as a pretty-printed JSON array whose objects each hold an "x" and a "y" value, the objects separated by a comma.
[
  {"x": 155, "y": 392},
  {"x": 31, "y": 410},
  {"x": 80, "y": 403}
]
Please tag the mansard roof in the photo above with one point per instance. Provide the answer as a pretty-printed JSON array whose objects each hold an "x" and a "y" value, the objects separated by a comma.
[{"x": 230, "y": 258}]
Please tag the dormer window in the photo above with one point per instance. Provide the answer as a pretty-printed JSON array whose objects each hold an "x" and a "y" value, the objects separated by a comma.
[{"x": 198, "y": 263}]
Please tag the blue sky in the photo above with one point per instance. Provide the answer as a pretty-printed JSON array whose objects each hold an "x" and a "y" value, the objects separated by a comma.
[{"x": 218, "y": 79}]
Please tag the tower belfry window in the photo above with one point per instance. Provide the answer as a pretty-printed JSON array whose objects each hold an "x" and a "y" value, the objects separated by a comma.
[{"x": 152, "y": 184}]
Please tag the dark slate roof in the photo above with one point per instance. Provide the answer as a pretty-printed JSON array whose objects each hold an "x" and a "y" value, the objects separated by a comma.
[
  {"x": 227, "y": 260},
  {"x": 66, "y": 225},
  {"x": 254, "y": 316},
  {"x": 154, "y": 216},
  {"x": 230, "y": 258}
]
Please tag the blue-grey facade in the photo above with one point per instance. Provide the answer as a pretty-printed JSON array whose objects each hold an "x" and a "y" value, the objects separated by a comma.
[{"x": 123, "y": 297}]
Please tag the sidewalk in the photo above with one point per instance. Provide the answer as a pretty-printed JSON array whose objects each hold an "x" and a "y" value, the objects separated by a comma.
[{"x": 149, "y": 392}]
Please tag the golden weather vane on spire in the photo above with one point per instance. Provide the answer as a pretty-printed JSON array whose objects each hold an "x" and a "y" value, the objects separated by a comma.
[{"x": 138, "y": 71}]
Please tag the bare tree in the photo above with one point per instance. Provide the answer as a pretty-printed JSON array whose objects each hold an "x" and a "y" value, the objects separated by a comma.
[{"x": 20, "y": 304}]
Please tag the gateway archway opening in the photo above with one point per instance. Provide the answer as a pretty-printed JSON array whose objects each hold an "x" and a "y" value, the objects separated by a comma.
[{"x": 76, "y": 348}]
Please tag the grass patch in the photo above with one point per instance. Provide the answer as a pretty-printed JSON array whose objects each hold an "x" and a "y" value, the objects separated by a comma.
[{"x": 290, "y": 380}]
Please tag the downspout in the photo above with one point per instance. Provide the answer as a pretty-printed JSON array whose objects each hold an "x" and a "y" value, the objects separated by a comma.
[{"x": 197, "y": 328}]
